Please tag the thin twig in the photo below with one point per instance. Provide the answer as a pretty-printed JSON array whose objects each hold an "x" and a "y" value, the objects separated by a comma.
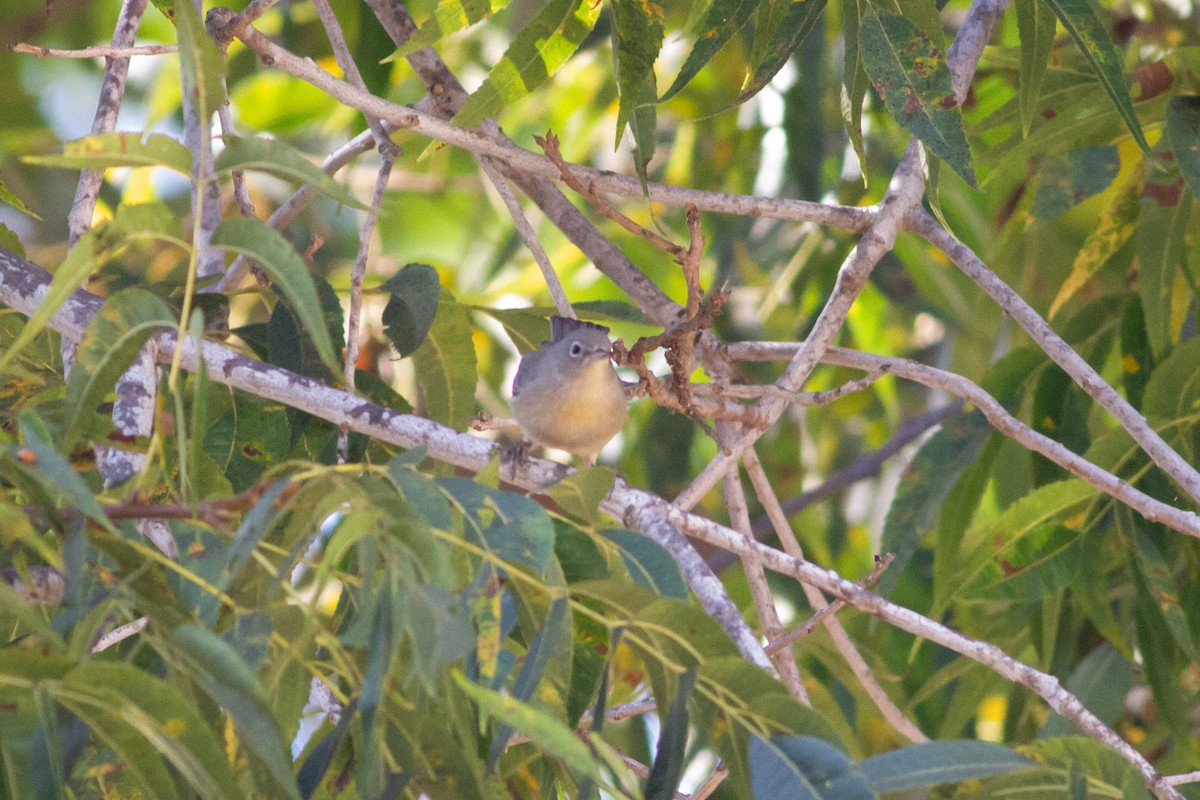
[
  {"x": 810, "y": 624},
  {"x": 1171, "y": 462},
  {"x": 760, "y": 592},
  {"x": 1181, "y": 779},
  {"x": 903, "y": 195},
  {"x": 837, "y": 633},
  {"x": 354, "y": 318},
  {"x": 1153, "y": 510},
  {"x": 865, "y": 466},
  {"x": 337, "y": 41},
  {"x": 712, "y": 783},
  {"x": 549, "y": 145},
  {"x": 529, "y": 237},
  {"x": 521, "y": 160},
  {"x": 97, "y": 51}
]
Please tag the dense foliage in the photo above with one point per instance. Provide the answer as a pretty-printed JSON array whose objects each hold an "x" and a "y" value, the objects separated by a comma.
[{"x": 232, "y": 576}]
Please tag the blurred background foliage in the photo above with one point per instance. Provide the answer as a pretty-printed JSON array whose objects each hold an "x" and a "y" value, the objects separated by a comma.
[{"x": 991, "y": 539}]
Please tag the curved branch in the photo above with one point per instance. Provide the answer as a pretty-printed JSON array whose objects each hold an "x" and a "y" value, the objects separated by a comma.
[{"x": 23, "y": 286}]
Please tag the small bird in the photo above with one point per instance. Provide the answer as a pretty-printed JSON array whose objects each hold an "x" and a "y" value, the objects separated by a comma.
[{"x": 566, "y": 393}]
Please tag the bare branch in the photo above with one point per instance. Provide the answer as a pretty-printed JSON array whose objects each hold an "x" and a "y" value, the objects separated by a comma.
[
  {"x": 1154, "y": 510},
  {"x": 529, "y": 237},
  {"x": 98, "y": 51},
  {"x": 354, "y": 318},
  {"x": 1061, "y": 353},
  {"x": 24, "y": 285}
]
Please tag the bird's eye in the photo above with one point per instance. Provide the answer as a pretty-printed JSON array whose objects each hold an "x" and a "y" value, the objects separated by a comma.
[{"x": 576, "y": 348}]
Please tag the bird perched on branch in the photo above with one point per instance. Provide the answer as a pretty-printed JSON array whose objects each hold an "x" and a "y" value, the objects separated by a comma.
[{"x": 566, "y": 393}]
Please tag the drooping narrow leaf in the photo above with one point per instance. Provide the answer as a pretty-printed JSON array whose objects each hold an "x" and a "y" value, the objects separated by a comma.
[
  {"x": 535, "y": 54},
  {"x": 931, "y": 763},
  {"x": 549, "y": 733},
  {"x": 854, "y": 80},
  {"x": 1162, "y": 225},
  {"x": 648, "y": 563},
  {"x": 203, "y": 66},
  {"x": 1089, "y": 33},
  {"x": 911, "y": 76},
  {"x": 112, "y": 341},
  {"x": 785, "y": 36},
  {"x": 723, "y": 19},
  {"x": 225, "y": 678},
  {"x": 448, "y": 17},
  {"x": 103, "y": 150},
  {"x": 644, "y": 127},
  {"x": 7, "y": 196},
  {"x": 1117, "y": 223},
  {"x": 1183, "y": 132},
  {"x": 639, "y": 37},
  {"x": 287, "y": 271},
  {"x": 669, "y": 758},
  {"x": 554, "y": 632},
  {"x": 279, "y": 158},
  {"x": 166, "y": 723},
  {"x": 1037, "y": 26}
]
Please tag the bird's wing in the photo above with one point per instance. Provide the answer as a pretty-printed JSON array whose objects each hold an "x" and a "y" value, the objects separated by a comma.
[{"x": 527, "y": 369}]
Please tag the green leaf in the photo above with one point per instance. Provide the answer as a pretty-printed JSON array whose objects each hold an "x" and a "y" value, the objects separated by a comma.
[
  {"x": 1171, "y": 392},
  {"x": 648, "y": 563},
  {"x": 1089, "y": 33},
  {"x": 723, "y": 19},
  {"x": 225, "y": 678},
  {"x": 1028, "y": 532},
  {"x": 448, "y": 17},
  {"x": 1115, "y": 227},
  {"x": 255, "y": 239},
  {"x": 1183, "y": 132},
  {"x": 92, "y": 250},
  {"x": 103, "y": 150},
  {"x": 550, "y": 734},
  {"x": 1068, "y": 180},
  {"x": 278, "y": 158},
  {"x": 800, "y": 18},
  {"x": 58, "y": 472},
  {"x": 804, "y": 768},
  {"x": 1100, "y": 681},
  {"x": 203, "y": 65},
  {"x": 446, "y": 366},
  {"x": 910, "y": 74},
  {"x": 671, "y": 755},
  {"x": 535, "y": 54},
  {"x": 553, "y": 634},
  {"x": 639, "y": 37},
  {"x": 579, "y": 494},
  {"x": 1158, "y": 576},
  {"x": 167, "y": 724},
  {"x": 110, "y": 344},
  {"x": 526, "y": 328},
  {"x": 412, "y": 306},
  {"x": 1163, "y": 223},
  {"x": 1037, "y": 27},
  {"x": 925, "y": 484},
  {"x": 7, "y": 196},
  {"x": 250, "y": 438},
  {"x": 932, "y": 763},
  {"x": 854, "y": 80}
]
